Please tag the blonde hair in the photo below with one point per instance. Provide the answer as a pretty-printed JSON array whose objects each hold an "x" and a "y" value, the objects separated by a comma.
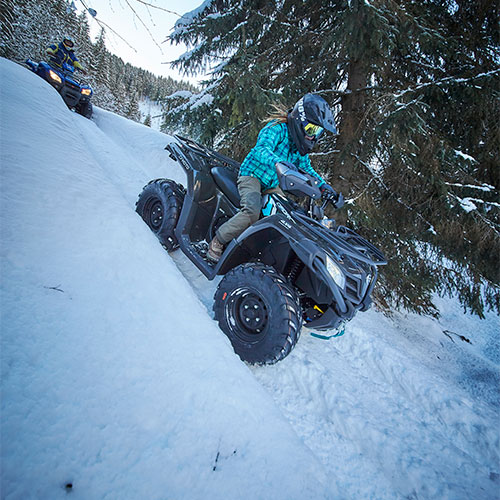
[{"x": 278, "y": 114}]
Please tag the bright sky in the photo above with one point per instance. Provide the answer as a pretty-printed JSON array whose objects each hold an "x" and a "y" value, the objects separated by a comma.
[{"x": 139, "y": 45}]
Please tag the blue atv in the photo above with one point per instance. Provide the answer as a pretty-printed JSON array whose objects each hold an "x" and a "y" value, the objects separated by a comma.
[{"x": 75, "y": 94}]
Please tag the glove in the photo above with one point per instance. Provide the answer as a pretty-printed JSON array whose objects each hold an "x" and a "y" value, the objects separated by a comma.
[
  {"x": 327, "y": 192},
  {"x": 339, "y": 202}
]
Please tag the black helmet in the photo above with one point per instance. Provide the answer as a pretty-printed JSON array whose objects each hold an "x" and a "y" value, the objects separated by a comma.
[
  {"x": 307, "y": 121},
  {"x": 68, "y": 43}
]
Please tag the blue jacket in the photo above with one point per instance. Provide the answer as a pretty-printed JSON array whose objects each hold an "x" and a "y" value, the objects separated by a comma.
[
  {"x": 59, "y": 55},
  {"x": 274, "y": 144}
]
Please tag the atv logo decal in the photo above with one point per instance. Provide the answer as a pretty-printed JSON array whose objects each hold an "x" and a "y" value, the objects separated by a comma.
[
  {"x": 285, "y": 223},
  {"x": 283, "y": 211}
]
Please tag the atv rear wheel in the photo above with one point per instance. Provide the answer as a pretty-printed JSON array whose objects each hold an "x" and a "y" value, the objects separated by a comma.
[
  {"x": 160, "y": 205},
  {"x": 260, "y": 313}
]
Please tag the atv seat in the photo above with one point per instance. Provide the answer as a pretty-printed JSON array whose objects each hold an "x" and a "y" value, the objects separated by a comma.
[{"x": 226, "y": 181}]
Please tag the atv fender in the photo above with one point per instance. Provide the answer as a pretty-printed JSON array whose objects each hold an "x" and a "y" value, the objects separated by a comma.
[{"x": 253, "y": 241}]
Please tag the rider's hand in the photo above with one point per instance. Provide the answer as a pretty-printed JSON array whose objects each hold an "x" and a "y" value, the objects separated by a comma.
[
  {"x": 339, "y": 202},
  {"x": 328, "y": 193}
]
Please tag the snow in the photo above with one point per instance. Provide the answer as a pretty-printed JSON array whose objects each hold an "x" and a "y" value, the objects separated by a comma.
[
  {"x": 187, "y": 18},
  {"x": 184, "y": 94},
  {"x": 205, "y": 99},
  {"x": 117, "y": 380},
  {"x": 482, "y": 187},
  {"x": 465, "y": 156},
  {"x": 153, "y": 109},
  {"x": 467, "y": 204}
]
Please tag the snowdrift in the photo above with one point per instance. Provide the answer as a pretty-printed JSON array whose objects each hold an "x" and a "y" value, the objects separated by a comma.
[{"x": 114, "y": 377}]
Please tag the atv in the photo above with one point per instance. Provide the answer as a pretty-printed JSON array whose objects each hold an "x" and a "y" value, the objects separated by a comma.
[
  {"x": 75, "y": 94},
  {"x": 286, "y": 270}
]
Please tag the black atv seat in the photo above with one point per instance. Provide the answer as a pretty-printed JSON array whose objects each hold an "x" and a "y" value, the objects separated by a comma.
[{"x": 226, "y": 181}]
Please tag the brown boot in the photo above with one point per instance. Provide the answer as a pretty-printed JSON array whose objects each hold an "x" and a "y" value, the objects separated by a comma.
[{"x": 215, "y": 249}]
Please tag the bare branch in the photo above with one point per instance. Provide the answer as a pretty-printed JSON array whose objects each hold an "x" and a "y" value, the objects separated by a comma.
[
  {"x": 159, "y": 8},
  {"x": 144, "y": 24},
  {"x": 102, "y": 24}
]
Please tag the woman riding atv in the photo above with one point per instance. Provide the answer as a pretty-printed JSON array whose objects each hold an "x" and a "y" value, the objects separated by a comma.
[{"x": 288, "y": 137}]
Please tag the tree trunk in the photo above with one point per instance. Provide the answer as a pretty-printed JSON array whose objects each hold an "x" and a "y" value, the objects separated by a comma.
[{"x": 350, "y": 128}]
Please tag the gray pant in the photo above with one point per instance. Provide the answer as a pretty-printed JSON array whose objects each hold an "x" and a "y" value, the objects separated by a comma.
[{"x": 250, "y": 193}]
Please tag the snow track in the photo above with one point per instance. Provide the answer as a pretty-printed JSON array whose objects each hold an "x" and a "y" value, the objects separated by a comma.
[{"x": 390, "y": 423}]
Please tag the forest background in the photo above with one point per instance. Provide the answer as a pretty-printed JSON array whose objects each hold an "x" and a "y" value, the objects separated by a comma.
[{"x": 415, "y": 90}]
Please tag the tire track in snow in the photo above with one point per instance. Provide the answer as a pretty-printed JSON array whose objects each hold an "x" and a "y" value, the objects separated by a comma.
[
  {"x": 373, "y": 415},
  {"x": 367, "y": 410},
  {"x": 386, "y": 423}
]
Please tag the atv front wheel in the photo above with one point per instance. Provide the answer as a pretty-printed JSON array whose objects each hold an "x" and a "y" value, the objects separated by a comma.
[
  {"x": 160, "y": 205},
  {"x": 259, "y": 311},
  {"x": 85, "y": 109}
]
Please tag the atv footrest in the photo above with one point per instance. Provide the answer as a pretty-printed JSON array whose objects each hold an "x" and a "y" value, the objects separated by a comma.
[{"x": 201, "y": 248}]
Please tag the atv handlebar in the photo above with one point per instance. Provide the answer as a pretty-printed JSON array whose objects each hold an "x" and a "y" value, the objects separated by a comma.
[{"x": 300, "y": 183}]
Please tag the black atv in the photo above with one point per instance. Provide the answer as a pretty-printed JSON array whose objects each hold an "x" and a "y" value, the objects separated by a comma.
[{"x": 285, "y": 270}]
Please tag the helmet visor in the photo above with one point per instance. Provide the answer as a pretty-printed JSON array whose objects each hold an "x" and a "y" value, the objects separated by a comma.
[{"x": 313, "y": 130}]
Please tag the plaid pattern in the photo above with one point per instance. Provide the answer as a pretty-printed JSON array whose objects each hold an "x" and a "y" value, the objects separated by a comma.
[{"x": 274, "y": 145}]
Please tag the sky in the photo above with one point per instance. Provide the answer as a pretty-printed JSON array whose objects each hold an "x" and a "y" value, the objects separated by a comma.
[{"x": 144, "y": 46}]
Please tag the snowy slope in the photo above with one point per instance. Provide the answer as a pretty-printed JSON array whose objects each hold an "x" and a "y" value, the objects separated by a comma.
[{"x": 116, "y": 379}]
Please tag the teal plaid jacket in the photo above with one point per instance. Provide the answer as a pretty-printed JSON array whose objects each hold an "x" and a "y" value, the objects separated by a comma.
[{"x": 274, "y": 145}]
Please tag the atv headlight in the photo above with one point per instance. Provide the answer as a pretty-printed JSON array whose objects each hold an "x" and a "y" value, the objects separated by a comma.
[
  {"x": 55, "y": 76},
  {"x": 335, "y": 272},
  {"x": 86, "y": 91}
]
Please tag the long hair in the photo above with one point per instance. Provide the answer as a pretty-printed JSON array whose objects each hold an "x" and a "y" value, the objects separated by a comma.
[{"x": 279, "y": 113}]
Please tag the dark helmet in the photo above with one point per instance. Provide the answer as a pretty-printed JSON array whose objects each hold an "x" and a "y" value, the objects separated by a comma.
[
  {"x": 307, "y": 121},
  {"x": 68, "y": 43}
]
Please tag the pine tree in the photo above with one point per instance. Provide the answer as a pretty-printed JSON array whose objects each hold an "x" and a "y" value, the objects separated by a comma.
[
  {"x": 7, "y": 19},
  {"x": 415, "y": 88},
  {"x": 100, "y": 60}
]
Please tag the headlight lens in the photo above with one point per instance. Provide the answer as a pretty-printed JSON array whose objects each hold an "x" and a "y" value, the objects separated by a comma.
[
  {"x": 86, "y": 91},
  {"x": 55, "y": 76},
  {"x": 335, "y": 272}
]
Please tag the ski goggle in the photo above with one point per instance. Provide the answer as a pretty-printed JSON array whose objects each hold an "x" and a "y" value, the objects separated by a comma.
[
  {"x": 68, "y": 43},
  {"x": 313, "y": 130}
]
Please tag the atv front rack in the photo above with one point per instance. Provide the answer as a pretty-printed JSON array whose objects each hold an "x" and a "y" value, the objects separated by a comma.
[{"x": 346, "y": 242}]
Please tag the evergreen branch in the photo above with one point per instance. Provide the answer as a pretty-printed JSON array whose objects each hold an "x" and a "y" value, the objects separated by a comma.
[
  {"x": 352, "y": 200},
  {"x": 443, "y": 81},
  {"x": 335, "y": 92},
  {"x": 392, "y": 195},
  {"x": 325, "y": 153},
  {"x": 493, "y": 225}
]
